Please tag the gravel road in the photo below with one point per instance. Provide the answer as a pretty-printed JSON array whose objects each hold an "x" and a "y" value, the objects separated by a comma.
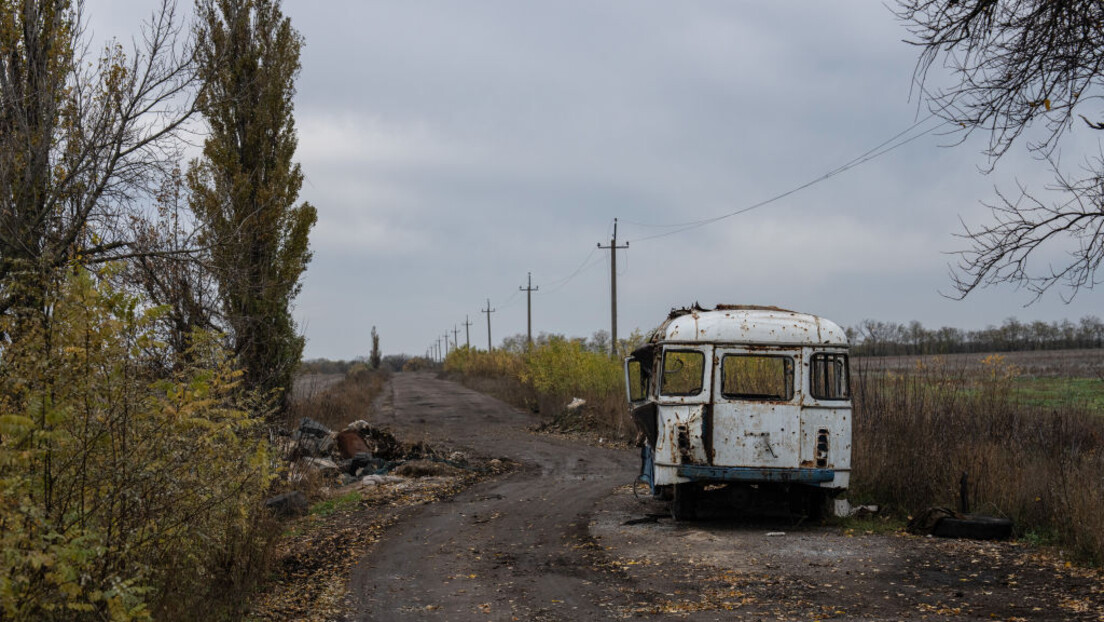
[{"x": 564, "y": 538}]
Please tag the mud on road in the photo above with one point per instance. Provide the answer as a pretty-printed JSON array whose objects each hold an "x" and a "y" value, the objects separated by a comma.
[{"x": 564, "y": 538}]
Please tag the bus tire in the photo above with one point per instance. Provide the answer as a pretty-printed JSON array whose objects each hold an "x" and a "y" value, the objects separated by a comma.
[
  {"x": 816, "y": 504},
  {"x": 684, "y": 502}
]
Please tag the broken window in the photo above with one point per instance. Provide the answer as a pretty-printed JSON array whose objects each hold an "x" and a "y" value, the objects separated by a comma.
[
  {"x": 828, "y": 378},
  {"x": 638, "y": 382},
  {"x": 757, "y": 377},
  {"x": 682, "y": 372}
]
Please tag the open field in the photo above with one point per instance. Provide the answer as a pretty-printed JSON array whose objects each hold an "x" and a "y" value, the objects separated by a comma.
[
  {"x": 1038, "y": 378},
  {"x": 1037, "y": 363}
]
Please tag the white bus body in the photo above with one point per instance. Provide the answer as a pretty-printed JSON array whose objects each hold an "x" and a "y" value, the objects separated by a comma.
[{"x": 757, "y": 398}]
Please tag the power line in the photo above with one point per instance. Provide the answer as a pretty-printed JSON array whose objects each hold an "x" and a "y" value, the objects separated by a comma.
[
  {"x": 587, "y": 263},
  {"x": 881, "y": 149},
  {"x": 509, "y": 301}
]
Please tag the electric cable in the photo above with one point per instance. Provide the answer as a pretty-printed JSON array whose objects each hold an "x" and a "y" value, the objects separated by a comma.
[{"x": 881, "y": 149}]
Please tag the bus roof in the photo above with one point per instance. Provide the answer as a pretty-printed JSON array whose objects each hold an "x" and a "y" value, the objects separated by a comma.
[{"x": 749, "y": 324}]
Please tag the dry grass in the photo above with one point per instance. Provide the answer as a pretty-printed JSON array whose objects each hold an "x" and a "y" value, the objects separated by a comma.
[
  {"x": 336, "y": 403},
  {"x": 1087, "y": 363},
  {"x": 916, "y": 432}
]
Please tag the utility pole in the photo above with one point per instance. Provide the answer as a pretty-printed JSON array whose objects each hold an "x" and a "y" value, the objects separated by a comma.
[
  {"x": 445, "y": 337},
  {"x": 529, "y": 304},
  {"x": 439, "y": 357},
  {"x": 613, "y": 286},
  {"x": 467, "y": 330},
  {"x": 455, "y": 336},
  {"x": 488, "y": 311}
]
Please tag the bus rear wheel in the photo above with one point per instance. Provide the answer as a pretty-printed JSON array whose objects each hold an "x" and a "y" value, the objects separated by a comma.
[{"x": 684, "y": 503}]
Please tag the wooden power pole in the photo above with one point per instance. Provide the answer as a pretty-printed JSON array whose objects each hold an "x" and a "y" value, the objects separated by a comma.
[
  {"x": 489, "y": 311},
  {"x": 613, "y": 286},
  {"x": 529, "y": 304},
  {"x": 467, "y": 331}
]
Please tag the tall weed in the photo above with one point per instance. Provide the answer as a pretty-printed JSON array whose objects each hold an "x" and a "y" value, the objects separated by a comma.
[
  {"x": 338, "y": 405},
  {"x": 916, "y": 433}
]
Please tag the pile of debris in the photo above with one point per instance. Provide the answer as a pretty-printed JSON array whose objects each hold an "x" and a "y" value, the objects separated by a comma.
[{"x": 359, "y": 453}]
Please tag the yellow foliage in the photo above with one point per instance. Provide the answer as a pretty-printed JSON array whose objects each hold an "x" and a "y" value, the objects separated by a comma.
[
  {"x": 493, "y": 364},
  {"x": 564, "y": 367},
  {"x": 122, "y": 486},
  {"x": 559, "y": 366},
  {"x": 998, "y": 368}
]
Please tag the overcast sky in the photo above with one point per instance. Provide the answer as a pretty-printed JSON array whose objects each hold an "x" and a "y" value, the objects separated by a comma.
[{"x": 453, "y": 147}]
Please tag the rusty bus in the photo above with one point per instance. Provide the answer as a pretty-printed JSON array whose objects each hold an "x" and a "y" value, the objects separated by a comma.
[{"x": 743, "y": 404}]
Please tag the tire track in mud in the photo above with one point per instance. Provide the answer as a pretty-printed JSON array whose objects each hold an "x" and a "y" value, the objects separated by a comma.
[{"x": 516, "y": 547}]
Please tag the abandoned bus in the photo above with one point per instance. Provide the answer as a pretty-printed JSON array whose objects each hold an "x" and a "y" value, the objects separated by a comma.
[{"x": 749, "y": 405}]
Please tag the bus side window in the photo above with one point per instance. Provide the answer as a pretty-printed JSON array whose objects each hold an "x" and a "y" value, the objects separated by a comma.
[
  {"x": 637, "y": 381},
  {"x": 829, "y": 378}
]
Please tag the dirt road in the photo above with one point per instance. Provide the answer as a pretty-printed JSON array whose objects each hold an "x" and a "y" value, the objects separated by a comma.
[{"x": 563, "y": 538}]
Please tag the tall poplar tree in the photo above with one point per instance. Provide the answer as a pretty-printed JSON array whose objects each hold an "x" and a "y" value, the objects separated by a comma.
[{"x": 245, "y": 188}]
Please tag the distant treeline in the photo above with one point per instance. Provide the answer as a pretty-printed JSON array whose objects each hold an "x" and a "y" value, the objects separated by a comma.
[
  {"x": 391, "y": 362},
  {"x": 874, "y": 338}
]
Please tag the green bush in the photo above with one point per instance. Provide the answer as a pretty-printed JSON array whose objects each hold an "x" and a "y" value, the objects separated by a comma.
[{"x": 127, "y": 491}]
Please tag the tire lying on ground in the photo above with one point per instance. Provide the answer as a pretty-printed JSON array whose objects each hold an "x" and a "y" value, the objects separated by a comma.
[{"x": 974, "y": 527}]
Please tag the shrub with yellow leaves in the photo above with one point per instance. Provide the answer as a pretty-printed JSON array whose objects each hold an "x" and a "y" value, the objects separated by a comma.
[
  {"x": 127, "y": 491},
  {"x": 547, "y": 376}
]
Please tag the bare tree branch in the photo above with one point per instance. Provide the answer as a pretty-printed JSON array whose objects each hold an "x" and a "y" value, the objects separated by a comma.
[
  {"x": 83, "y": 139},
  {"x": 1016, "y": 65}
]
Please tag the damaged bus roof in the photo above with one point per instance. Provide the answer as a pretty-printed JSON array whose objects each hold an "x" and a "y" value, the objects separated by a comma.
[{"x": 749, "y": 324}]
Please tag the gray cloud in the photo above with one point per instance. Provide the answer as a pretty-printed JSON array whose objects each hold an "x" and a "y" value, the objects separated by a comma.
[{"x": 451, "y": 148}]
